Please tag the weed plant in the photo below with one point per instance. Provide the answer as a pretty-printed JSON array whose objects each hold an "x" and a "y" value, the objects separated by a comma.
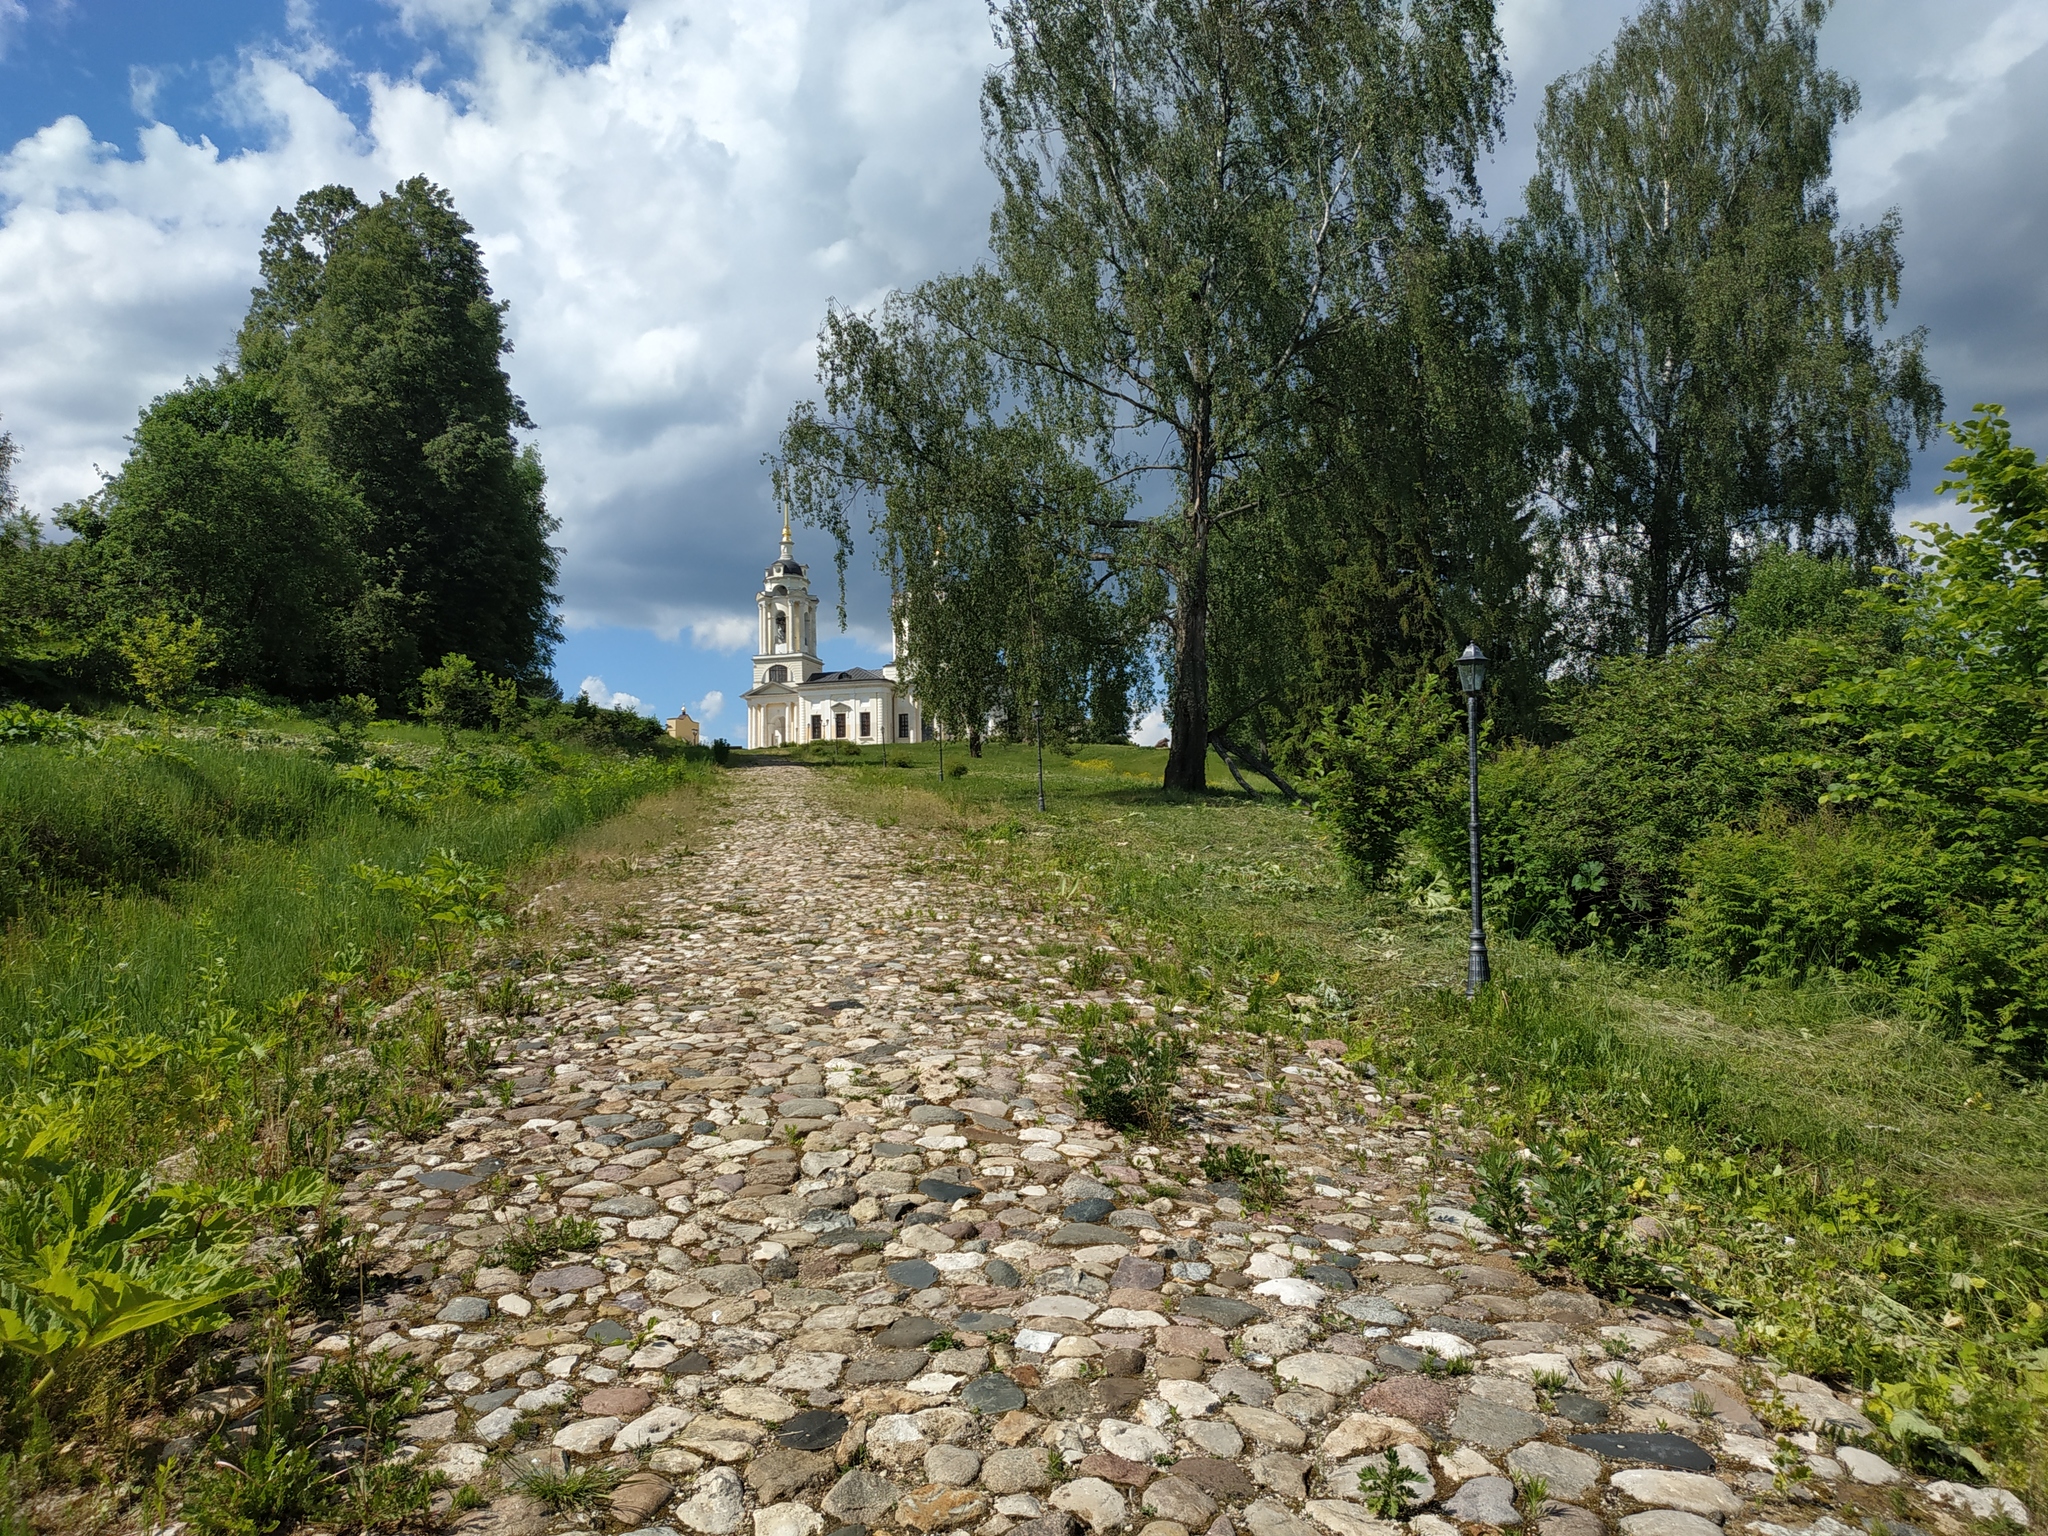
[
  {"x": 575, "y": 1491},
  {"x": 1128, "y": 1070},
  {"x": 1387, "y": 1488},
  {"x": 1262, "y": 1180},
  {"x": 539, "y": 1241}
]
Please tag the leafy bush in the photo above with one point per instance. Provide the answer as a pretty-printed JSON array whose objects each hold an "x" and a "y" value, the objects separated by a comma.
[
  {"x": 24, "y": 723},
  {"x": 1376, "y": 766},
  {"x": 166, "y": 658},
  {"x": 90, "y": 1254},
  {"x": 1796, "y": 899},
  {"x": 1585, "y": 841},
  {"x": 616, "y": 729},
  {"x": 458, "y": 694},
  {"x": 1984, "y": 974}
]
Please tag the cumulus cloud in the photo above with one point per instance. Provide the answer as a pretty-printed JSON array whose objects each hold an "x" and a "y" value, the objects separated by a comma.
[
  {"x": 1151, "y": 727},
  {"x": 668, "y": 219},
  {"x": 708, "y": 708},
  {"x": 594, "y": 690}
]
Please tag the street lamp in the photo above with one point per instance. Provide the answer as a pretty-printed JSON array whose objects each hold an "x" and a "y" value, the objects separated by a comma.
[{"x": 1472, "y": 679}]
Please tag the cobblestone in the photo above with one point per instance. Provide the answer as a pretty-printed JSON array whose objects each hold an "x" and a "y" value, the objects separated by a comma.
[{"x": 861, "y": 1261}]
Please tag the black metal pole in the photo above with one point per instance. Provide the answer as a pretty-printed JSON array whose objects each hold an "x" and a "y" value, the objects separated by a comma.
[
  {"x": 1038, "y": 728},
  {"x": 1476, "y": 971}
]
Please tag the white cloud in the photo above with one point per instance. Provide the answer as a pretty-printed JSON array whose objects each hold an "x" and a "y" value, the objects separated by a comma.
[
  {"x": 594, "y": 690},
  {"x": 667, "y": 220},
  {"x": 1151, "y": 727},
  {"x": 708, "y": 708},
  {"x": 723, "y": 631}
]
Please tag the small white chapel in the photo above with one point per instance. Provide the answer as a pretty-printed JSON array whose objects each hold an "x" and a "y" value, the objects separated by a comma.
[{"x": 794, "y": 699}]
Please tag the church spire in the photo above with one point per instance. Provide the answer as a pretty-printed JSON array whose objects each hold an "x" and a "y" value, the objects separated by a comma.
[{"x": 788, "y": 552}]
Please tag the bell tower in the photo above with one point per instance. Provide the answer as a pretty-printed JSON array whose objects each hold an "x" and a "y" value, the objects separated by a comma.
[{"x": 786, "y": 646}]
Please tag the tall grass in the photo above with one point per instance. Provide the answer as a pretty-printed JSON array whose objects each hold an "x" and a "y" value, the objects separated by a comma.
[
  {"x": 228, "y": 912},
  {"x": 137, "y": 815}
]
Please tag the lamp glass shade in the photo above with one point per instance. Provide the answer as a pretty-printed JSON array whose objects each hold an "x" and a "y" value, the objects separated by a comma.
[{"x": 1472, "y": 669}]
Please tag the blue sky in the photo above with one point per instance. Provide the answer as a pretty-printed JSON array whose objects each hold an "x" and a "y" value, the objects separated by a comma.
[{"x": 669, "y": 192}]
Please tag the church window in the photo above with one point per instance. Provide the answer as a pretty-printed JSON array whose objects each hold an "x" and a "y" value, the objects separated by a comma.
[
  {"x": 865, "y": 718},
  {"x": 782, "y": 629},
  {"x": 778, "y": 674},
  {"x": 817, "y": 727},
  {"x": 903, "y": 727},
  {"x": 839, "y": 725}
]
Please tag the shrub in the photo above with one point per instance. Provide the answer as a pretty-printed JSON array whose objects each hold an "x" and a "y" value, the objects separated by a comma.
[
  {"x": 1585, "y": 840},
  {"x": 1984, "y": 974},
  {"x": 458, "y": 694},
  {"x": 24, "y": 723},
  {"x": 166, "y": 658},
  {"x": 1791, "y": 900},
  {"x": 1376, "y": 766}
]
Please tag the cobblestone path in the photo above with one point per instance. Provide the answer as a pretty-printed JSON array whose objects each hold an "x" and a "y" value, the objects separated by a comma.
[{"x": 862, "y": 1267}]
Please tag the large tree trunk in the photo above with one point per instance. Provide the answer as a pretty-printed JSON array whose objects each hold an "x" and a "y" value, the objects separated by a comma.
[{"x": 1187, "y": 760}]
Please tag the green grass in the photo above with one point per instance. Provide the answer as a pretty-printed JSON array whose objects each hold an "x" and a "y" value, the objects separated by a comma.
[
  {"x": 137, "y": 814},
  {"x": 1867, "y": 1197},
  {"x": 175, "y": 982}
]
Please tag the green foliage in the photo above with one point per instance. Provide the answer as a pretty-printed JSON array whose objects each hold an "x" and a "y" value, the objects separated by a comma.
[
  {"x": 1128, "y": 1071},
  {"x": 376, "y": 324},
  {"x": 1789, "y": 593},
  {"x": 343, "y": 503},
  {"x": 221, "y": 512},
  {"x": 1118, "y": 309},
  {"x": 1376, "y": 767},
  {"x": 348, "y": 724},
  {"x": 615, "y": 729},
  {"x": 1983, "y": 972},
  {"x": 1387, "y": 1487},
  {"x": 1582, "y": 1194},
  {"x": 1949, "y": 731},
  {"x": 457, "y": 695},
  {"x": 165, "y": 658},
  {"x": 1701, "y": 339},
  {"x": 272, "y": 1478},
  {"x": 90, "y": 1254},
  {"x": 1793, "y": 900},
  {"x": 447, "y": 896},
  {"x": 1585, "y": 841},
  {"x": 991, "y": 526},
  {"x": 577, "y": 1490},
  {"x": 1500, "y": 1198},
  {"x": 122, "y": 820},
  {"x": 538, "y": 1241},
  {"x": 24, "y": 724},
  {"x": 1263, "y": 1180}
]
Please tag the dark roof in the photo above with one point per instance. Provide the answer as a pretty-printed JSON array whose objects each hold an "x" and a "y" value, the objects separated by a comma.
[
  {"x": 786, "y": 568},
  {"x": 850, "y": 675}
]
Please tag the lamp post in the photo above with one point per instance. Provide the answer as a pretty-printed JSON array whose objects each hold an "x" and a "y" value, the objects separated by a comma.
[
  {"x": 1472, "y": 679},
  {"x": 1038, "y": 730}
]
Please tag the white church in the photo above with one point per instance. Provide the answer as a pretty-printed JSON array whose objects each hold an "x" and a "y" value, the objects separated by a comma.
[{"x": 794, "y": 699}]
